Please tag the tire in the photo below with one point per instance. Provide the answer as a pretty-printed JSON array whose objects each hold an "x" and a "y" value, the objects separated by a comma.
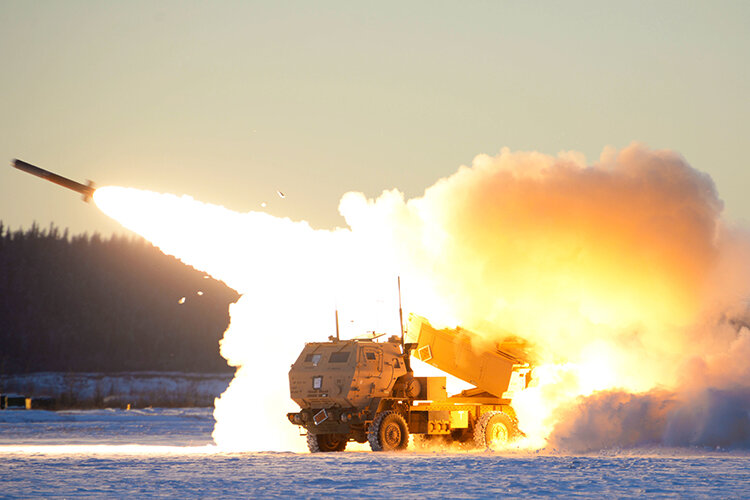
[
  {"x": 495, "y": 430},
  {"x": 326, "y": 442},
  {"x": 388, "y": 432}
]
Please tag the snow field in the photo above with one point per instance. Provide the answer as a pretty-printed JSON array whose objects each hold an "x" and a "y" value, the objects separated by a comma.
[
  {"x": 369, "y": 475},
  {"x": 167, "y": 452}
]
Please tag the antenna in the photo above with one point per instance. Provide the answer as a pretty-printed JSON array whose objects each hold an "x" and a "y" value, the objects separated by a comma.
[
  {"x": 337, "y": 324},
  {"x": 400, "y": 313}
]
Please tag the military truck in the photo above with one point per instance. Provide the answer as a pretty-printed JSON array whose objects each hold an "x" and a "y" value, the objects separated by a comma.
[{"x": 365, "y": 391}]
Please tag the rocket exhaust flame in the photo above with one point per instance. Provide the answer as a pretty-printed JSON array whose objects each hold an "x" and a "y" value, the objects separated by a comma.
[
  {"x": 621, "y": 275},
  {"x": 288, "y": 275}
]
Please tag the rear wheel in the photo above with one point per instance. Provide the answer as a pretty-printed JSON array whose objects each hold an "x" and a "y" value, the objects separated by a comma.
[
  {"x": 326, "y": 442},
  {"x": 388, "y": 432},
  {"x": 494, "y": 430}
]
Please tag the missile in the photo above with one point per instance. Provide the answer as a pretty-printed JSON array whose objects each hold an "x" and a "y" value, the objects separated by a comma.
[{"x": 87, "y": 190}]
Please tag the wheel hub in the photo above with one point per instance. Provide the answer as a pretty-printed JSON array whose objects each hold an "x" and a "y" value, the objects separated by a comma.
[
  {"x": 498, "y": 435},
  {"x": 392, "y": 435}
]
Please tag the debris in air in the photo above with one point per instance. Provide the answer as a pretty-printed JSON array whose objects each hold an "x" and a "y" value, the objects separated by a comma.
[
  {"x": 181, "y": 301},
  {"x": 281, "y": 195}
]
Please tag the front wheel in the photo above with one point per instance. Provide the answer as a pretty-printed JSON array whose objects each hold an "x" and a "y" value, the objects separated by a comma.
[
  {"x": 494, "y": 430},
  {"x": 326, "y": 442},
  {"x": 388, "y": 432}
]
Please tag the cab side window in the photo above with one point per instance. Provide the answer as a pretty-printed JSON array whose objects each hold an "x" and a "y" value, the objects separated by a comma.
[{"x": 313, "y": 358}]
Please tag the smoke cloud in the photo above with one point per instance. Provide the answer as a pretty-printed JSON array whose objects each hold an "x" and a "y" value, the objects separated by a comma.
[{"x": 621, "y": 274}]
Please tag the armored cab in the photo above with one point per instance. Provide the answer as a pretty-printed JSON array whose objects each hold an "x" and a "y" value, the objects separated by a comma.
[
  {"x": 345, "y": 374},
  {"x": 339, "y": 386}
]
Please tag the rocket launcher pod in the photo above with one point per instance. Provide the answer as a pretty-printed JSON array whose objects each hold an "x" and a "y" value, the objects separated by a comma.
[{"x": 490, "y": 368}]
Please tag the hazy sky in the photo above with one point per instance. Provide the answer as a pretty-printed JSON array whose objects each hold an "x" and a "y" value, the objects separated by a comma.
[{"x": 231, "y": 101}]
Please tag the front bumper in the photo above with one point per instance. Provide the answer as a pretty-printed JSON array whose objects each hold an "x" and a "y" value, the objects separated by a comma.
[{"x": 328, "y": 420}]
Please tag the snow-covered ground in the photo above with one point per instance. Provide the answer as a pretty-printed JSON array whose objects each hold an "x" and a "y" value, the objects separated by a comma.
[
  {"x": 160, "y": 426},
  {"x": 167, "y": 452}
]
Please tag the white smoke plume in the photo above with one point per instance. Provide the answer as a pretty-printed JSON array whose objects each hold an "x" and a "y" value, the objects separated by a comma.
[{"x": 621, "y": 275}]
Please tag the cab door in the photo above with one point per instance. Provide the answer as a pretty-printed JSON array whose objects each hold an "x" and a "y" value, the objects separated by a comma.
[
  {"x": 372, "y": 361},
  {"x": 371, "y": 370}
]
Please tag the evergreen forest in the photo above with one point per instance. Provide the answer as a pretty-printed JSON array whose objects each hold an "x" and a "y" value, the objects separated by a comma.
[{"x": 91, "y": 304}]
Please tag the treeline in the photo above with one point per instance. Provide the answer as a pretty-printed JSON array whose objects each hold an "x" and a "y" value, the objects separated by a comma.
[{"x": 92, "y": 304}]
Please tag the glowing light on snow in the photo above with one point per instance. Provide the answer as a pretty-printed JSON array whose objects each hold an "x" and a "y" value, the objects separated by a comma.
[
  {"x": 108, "y": 449},
  {"x": 617, "y": 273}
]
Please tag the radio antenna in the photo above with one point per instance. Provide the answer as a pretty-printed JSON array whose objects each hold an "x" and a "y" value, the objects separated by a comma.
[
  {"x": 400, "y": 313},
  {"x": 337, "y": 324}
]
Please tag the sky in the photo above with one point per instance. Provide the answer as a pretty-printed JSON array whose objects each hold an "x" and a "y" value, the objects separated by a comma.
[{"x": 230, "y": 102}]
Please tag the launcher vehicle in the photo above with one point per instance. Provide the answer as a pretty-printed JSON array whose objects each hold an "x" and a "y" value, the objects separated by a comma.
[{"x": 365, "y": 391}]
